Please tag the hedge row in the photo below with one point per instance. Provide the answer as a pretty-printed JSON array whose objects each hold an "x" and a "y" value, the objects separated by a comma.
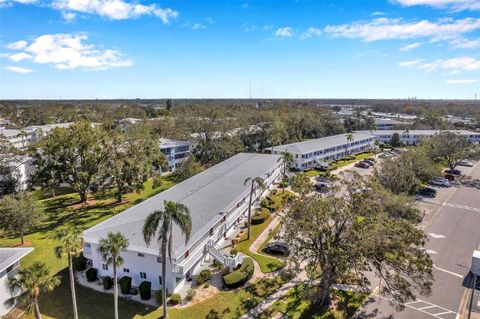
[
  {"x": 240, "y": 276},
  {"x": 260, "y": 216}
]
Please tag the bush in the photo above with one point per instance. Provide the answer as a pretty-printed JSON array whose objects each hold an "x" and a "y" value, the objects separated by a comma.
[
  {"x": 157, "y": 182},
  {"x": 204, "y": 276},
  {"x": 233, "y": 252},
  {"x": 125, "y": 284},
  {"x": 159, "y": 297},
  {"x": 191, "y": 294},
  {"x": 217, "y": 265},
  {"x": 145, "y": 290},
  {"x": 260, "y": 217},
  {"x": 175, "y": 299},
  {"x": 92, "y": 274},
  {"x": 240, "y": 276},
  {"x": 79, "y": 262},
  {"x": 206, "y": 285},
  {"x": 107, "y": 282}
]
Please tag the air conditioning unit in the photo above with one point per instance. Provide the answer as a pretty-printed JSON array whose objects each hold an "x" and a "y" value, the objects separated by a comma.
[{"x": 476, "y": 262}]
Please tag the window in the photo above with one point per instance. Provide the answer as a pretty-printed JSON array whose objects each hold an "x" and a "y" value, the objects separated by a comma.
[
  {"x": 87, "y": 249},
  {"x": 143, "y": 275},
  {"x": 104, "y": 266},
  {"x": 160, "y": 280},
  {"x": 126, "y": 270},
  {"x": 186, "y": 254},
  {"x": 159, "y": 260},
  {"x": 141, "y": 255},
  {"x": 211, "y": 231}
]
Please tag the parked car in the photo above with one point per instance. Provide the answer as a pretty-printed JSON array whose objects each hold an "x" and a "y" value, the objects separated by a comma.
[
  {"x": 368, "y": 162},
  {"x": 453, "y": 171},
  {"x": 322, "y": 187},
  {"x": 276, "y": 248},
  {"x": 362, "y": 165},
  {"x": 449, "y": 177},
  {"x": 427, "y": 192},
  {"x": 440, "y": 181},
  {"x": 465, "y": 163}
]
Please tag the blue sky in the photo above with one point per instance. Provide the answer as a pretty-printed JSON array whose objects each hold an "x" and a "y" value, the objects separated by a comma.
[{"x": 199, "y": 49}]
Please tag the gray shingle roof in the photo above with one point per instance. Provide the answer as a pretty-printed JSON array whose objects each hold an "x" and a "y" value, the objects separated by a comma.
[
  {"x": 10, "y": 255},
  {"x": 207, "y": 195},
  {"x": 320, "y": 143}
]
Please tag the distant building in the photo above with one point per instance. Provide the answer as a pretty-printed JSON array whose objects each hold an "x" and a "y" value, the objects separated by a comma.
[
  {"x": 312, "y": 153},
  {"x": 9, "y": 264},
  {"x": 389, "y": 124},
  {"x": 174, "y": 151},
  {"x": 414, "y": 137},
  {"x": 126, "y": 123},
  {"x": 218, "y": 201}
]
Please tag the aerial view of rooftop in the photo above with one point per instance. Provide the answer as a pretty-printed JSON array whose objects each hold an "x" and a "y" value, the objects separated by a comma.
[{"x": 239, "y": 159}]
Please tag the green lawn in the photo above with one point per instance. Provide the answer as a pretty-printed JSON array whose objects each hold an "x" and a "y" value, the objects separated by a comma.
[
  {"x": 58, "y": 213},
  {"x": 296, "y": 306},
  {"x": 96, "y": 305},
  {"x": 267, "y": 263},
  {"x": 343, "y": 162}
]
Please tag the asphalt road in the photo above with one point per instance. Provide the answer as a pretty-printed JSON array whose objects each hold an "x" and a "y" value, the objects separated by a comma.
[{"x": 453, "y": 230}]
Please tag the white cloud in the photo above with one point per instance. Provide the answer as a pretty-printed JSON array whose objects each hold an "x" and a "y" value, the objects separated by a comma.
[
  {"x": 411, "y": 46},
  {"x": 388, "y": 29},
  {"x": 378, "y": 13},
  {"x": 115, "y": 9},
  {"x": 462, "y": 43},
  {"x": 454, "y": 65},
  {"x": 69, "y": 51},
  {"x": 312, "y": 31},
  {"x": 456, "y": 5},
  {"x": 284, "y": 32},
  {"x": 18, "y": 45},
  {"x": 470, "y": 81},
  {"x": 7, "y": 3},
  {"x": 17, "y": 57},
  {"x": 198, "y": 26},
  {"x": 18, "y": 69},
  {"x": 69, "y": 16}
]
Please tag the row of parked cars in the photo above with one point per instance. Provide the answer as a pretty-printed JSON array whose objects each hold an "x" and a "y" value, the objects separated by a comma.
[{"x": 365, "y": 163}]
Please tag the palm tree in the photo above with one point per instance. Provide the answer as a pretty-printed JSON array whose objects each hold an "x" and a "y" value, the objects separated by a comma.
[
  {"x": 287, "y": 158},
  {"x": 31, "y": 281},
  {"x": 160, "y": 223},
  {"x": 261, "y": 183},
  {"x": 350, "y": 139},
  {"x": 110, "y": 249},
  {"x": 71, "y": 244}
]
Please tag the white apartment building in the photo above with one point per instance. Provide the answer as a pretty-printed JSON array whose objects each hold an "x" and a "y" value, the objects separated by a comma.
[
  {"x": 389, "y": 124},
  {"x": 9, "y": 263},
  {"x": 414, "y": 137},
  {"x": 315, "y": 152},
  {"x": 218, "y": 201},
  {"x": 174, "y": 151}
]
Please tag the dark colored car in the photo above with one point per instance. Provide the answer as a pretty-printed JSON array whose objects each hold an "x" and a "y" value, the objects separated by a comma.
[
  {"x": 450, "y": 177},
  {"x": 362, "y": 165},
  {"x": 427, "y": 192},
  {"x": 322, "y": 187},
  {"x": 369, "y": 162},
  {"x": 453, "y": 171},
  {"x": 276, "y": 248}
]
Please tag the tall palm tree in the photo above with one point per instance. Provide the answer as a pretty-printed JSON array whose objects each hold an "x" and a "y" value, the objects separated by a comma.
[
  {"x": 287, "y": 158},
  {"x": 71, "y": 244},
  {"x": 31, "y": 281},
  {"x": 160, "y": 224},
  {"x": 110, "y": 249},
  {"x": 261, "y": 183},
  {"x": 350, "y": 139}
]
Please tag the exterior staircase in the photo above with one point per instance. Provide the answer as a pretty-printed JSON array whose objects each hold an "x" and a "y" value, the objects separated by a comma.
[{"x": 222, "y": 257}]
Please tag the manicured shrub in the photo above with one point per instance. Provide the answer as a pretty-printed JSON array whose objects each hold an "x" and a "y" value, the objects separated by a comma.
[
  {"x": 233, "y": 252},
  {"x": 159, "y": 297},
  {"x": 107, "y": 282},
  {"x": 79, "y": 262},
  {"x": 264, "y": 202},
  {"x": 92, "y": 274},
  {"x": 191, "y": 294},
  {"x": 175, "y": 299},
  {"x": 260, "y": 217},
  {"x": 125, "y": 284},
  {"x": 217, "y": 265},
  {"x": 157, "y": 182},
  {"x": 145, "y": 290},
  {"x": 240, "y": 276},
  {"x": 204, "y": 276}
]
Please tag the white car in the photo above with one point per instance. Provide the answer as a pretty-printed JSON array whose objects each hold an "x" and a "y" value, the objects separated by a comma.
[
  {"x": 440, "y": 181},
  {"x": 465, "y": 163}
]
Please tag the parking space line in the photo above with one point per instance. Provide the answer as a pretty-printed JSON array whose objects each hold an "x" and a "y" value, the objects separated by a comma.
[
  {"x": 445, "y": 311},
  {"x": 448, "y": 271}
]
